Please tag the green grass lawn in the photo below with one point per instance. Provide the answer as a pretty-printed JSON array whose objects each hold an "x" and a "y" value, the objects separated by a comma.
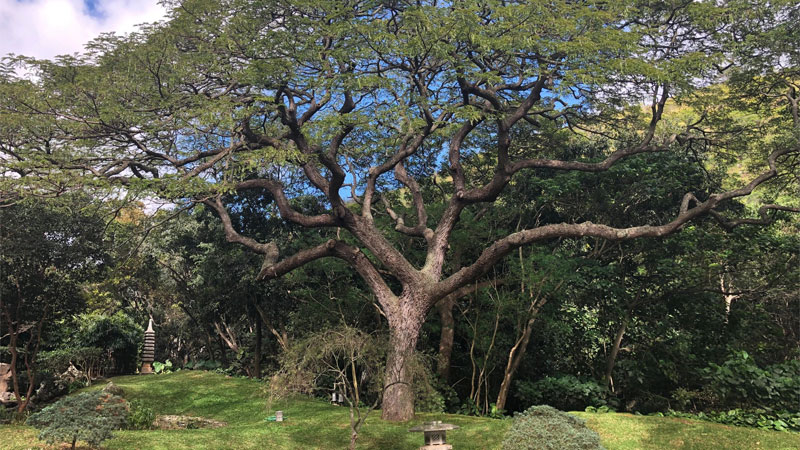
[{"x": 313, "y": 424}]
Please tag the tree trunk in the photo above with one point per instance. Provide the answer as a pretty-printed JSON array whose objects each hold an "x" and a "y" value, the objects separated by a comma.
[
  {"x": 612, "y": 357},
  {"x": 445, "y": 309},
  {"x": 30, "y": 358},
  {"x": 517, "y": 352},
  {"x": 12, "y": 348},
  {"x": 257, "y": 351},
  {"x": 398, "y": 397},
  {"x": 515, "y": 356},
  {"x": 725, "y": 287},
  {"x": 223, "y": 356},
  {"x": 282, "y": 336},
  {"x": 353, "y": 438}
]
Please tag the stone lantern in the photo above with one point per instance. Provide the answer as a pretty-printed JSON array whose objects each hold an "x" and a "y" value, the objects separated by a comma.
[
  {"x": 148, "y": 354},
  {"x": 435, "y": 435}
]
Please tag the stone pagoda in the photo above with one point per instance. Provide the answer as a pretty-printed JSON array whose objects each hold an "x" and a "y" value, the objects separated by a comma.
[{"x": 149, "y": 352}]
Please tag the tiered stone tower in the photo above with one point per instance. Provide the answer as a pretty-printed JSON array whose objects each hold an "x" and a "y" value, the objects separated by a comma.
[{"x": 149, "y": 349}]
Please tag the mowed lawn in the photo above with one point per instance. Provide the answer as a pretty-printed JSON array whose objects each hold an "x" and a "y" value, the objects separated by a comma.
[{"x": 312, "y": 424}]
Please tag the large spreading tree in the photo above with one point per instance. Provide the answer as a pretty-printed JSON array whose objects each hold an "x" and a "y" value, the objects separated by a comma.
[{"x": 351, "y": 101}]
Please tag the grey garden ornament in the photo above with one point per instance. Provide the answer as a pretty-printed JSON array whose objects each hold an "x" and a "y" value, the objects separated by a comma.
[
  {"x": 337, "y": 397},
  {"x": 435, "y": 435},
  {"x": 148, "y": 354},
  {"x": 5, "y": 377}
]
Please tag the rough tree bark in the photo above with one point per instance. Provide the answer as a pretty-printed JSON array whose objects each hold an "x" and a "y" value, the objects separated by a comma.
[
  {"x": 445, "y": 309},
  {"x": 398, "y": 400}
]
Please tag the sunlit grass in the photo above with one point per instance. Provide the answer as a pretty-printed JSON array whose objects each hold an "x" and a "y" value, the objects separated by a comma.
[
  {"x": 629, "y": 432},
  {"x": 313, "y": 424}
]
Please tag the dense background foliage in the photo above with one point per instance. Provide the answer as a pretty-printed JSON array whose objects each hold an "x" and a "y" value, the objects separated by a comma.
[{"x": 702, "y": 322}]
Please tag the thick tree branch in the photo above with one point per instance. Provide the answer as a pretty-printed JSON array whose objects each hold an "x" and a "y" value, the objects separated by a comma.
[
  {"x": 421, "y": 229},
  {"x": 764, "y": 217},
  {"x": 269, "y": 250},
  {"x": 286, "y": 210},
  {"x": 502, "y": 247},
  {"x": 338, "y": 249}
]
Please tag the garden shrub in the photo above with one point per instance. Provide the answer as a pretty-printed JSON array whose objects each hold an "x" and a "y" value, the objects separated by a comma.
[
  {"x": 6, "y": 414},
  {"x": 740, "y": 382},
  {"x": 564, "y": 392},
  {"x": 203, "y": 364},
  {"x": 427, "y": 394},
  {"x": 546, "y": 428},
  {"x": 87, "y": 360},
  {"x": 758, "y": 418},
  {"x": 165, "y": 367},
  {"x": 66, "y": 370},
  {"x": 140, "y": 417},
  {"x": 88, "y": 416},
  {"x": 427, "y": 398},
  {"x": 118, "y": 335}
]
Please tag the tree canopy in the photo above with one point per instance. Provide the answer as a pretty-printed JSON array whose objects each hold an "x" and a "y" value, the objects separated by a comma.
[{"x": 342, "y": 112}]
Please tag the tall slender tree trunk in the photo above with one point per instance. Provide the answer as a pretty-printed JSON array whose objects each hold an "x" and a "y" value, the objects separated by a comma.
[
  {"x": 725, "y": 286},
  {"x": 515, "y": 356},
  {"x": 445, "y": 309},
  {"x": 398, "y": 396},
  {"x": 222, "y": 353},
  {"x": 30, "y": 358},
  {"x": 612, "y": 356},
  {"x": 12, "y": 348},
  {"x": 257, "y": 351}
]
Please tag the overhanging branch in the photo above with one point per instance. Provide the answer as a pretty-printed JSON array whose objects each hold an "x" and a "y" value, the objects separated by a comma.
[{"x": 502, "y": 247}]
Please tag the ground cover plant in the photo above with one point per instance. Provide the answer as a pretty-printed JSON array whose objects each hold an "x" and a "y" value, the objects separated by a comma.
[{"x": 318, "y": 425}]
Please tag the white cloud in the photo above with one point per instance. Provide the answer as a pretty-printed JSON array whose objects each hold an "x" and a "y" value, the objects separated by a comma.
[{"x": 46, "y": 28}]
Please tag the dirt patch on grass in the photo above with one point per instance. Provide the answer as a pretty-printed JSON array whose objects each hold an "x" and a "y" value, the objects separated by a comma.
[{"x": 185, "y": 422}]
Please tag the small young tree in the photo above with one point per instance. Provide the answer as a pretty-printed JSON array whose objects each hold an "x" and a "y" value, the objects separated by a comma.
[
  {"x": 344, "y": 355},
  {"x": 88, "y": 416}
]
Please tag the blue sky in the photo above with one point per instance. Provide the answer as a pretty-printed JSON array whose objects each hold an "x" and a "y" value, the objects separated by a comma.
[
  {"x": 45, "y": 28},
  {"x": 94, "y": 8}
]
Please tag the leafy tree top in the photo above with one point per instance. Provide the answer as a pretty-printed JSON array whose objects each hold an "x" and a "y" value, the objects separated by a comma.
[{"x": 350, "y": 100}]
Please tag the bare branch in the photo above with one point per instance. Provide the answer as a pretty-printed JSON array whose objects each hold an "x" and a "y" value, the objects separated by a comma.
[
  {"x": 269, "y": 250},
  {"x": 499, "y": 249},
  {"x": 338, "y": 249},
  {"x": 764, "y": 217},
  {"x": 287, "y": 212}
]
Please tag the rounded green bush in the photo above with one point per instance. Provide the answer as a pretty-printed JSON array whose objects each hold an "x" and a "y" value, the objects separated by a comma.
[
  {"x": 88, "y": 416},
  {"x": 546, "y": 428},
  {"x": 140, "y": 417}
]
